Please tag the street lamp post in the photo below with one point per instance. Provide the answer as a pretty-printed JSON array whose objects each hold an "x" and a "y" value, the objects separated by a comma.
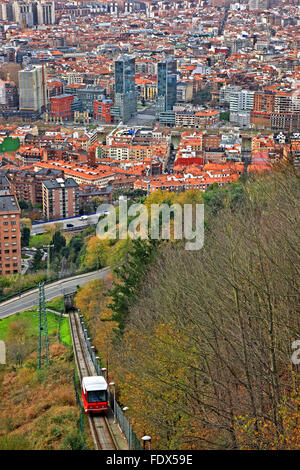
[
  {"x": 93, "y": 354},
  {"x": 104, "y": 370},
  {"x": 48, "y": 259},
  {"x": 114, "y": 385},
  {"x": 145, "y": 439},
  {"x": 19, "y": 281},
  {"x": 125, "y": 409}
]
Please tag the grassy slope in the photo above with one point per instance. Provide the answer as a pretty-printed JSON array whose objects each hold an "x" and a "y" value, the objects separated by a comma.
[
  {"x": 38, "y": 408},
  {"x": 32, "y": 315},
  {"x": 56, "y": 304}
]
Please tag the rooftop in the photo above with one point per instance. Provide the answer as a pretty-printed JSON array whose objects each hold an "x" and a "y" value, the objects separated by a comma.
[{"x": 9, "y": 204}]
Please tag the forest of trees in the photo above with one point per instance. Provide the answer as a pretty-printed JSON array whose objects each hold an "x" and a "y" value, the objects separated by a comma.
[{"x": 201, "y": 351}]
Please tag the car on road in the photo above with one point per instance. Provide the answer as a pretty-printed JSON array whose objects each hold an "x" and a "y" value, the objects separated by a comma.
[{"x": 70, "y": 225}]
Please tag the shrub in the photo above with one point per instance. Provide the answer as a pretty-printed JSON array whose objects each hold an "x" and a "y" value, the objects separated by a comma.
[
  {"x": 55, "y": 431},
  {"x": 73, "y": 441},
  {"x": 14, "y": 442},
  {"x": 26, "y": 376},
  {"x": 66, "y": 398}
]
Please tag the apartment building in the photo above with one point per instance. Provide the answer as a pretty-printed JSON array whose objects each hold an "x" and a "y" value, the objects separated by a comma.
[
  {"x": 60, "y": 198},
  {"x": 184, "y": 119},
  {"x": 240, "y": 105},
  {"x": 207, "y": 117},
  {"x": 283, "y": 102},
  {"x": 10, "y": 236},
  {"x": 29, "y": 155},
  {"x": 146, "y": 88},
  {"x": 61, "y": 107},
  {"x": 9, "y": 97},
  {"x": 225, "y": 93},
  {"x": 276, "y": 110},
  {"x": 102, "y": 111}
]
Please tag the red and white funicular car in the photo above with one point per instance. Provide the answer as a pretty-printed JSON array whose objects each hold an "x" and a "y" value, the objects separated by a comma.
[{"x": 94, "y": 394}]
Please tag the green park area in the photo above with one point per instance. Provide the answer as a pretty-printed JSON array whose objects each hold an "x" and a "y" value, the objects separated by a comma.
[
  {"x": 10, "y": 145},
  {"x": 31, "y": 320}
]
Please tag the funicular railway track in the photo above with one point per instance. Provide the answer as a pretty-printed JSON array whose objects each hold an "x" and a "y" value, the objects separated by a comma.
[{"x": 99, "y": 426}]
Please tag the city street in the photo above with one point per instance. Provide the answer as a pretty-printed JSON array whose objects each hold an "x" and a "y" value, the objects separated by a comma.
[
  {"x": 146, "y": 117},
  {"x": 30, "y": 299},
  {"x": 73, "y": 222}
]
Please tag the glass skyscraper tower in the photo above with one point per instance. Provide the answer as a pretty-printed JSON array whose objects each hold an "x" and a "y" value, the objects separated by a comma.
[
  {"x": 125, "y": 96},
  {"x": 166, "y": 85}
]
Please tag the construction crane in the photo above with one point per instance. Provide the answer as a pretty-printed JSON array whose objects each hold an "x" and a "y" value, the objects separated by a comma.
[{"x": 43, "y": 84}]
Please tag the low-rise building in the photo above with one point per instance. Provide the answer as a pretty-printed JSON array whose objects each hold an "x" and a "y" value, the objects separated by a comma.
[{"x": 207, "y": 117}]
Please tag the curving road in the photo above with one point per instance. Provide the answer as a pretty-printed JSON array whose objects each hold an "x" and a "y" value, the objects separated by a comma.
[
  {"x": 30, "y": 299},
  {"x": 75, "y": 222}
]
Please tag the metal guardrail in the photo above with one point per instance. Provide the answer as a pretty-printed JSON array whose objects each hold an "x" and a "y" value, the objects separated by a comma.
[
  {"x": 61, "y": 220},
  {"x": 3, "y": 298},
  {"x": 132, "y": 439},
  {"x": 79, "y": 227}
]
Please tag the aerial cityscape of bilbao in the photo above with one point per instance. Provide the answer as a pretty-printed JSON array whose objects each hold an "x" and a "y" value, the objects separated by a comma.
[{"x": 149, "y": 228}]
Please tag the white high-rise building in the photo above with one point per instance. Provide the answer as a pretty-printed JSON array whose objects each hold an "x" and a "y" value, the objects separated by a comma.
[
  {"x": 225, "y": 92},
  {"x": 241, "y": 100},
  {"x": 23, "y": 12},
  {"x": 31, "y": 89},
  {"x": 258, "y": 4},
  {"x": 240, "y": 105},
  {"x": 46, "y": 13}
]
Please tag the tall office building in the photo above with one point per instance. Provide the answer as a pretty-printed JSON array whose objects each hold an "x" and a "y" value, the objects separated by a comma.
[
  {"x": 23, "y": 12},
  {"x": 29, "y": 13},
  {"x": 7, "y": 13},
  {"x": 258, "y": 4},
  {"x": 125, "y": 95},
  {"x": 9, "y": 97},
  {"x": 166, "y": 85},
  {"x": 46, "y": 13},
  {"x": 31, "y": 89},
  {"x": 10, "y": 236}
]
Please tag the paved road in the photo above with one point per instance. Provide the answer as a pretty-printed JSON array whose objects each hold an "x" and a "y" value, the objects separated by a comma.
[
  {"x": 143, "y": 118},
  {"x": 76, "y": 222},
  {"x": 171, "y": 161},
  {"x": 30, "y": 299}
]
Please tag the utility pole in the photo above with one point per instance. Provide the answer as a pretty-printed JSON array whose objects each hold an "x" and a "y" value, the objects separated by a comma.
[
  {"x": 48, "y": 259},
  {"x": 43, "y": 346},
  {"x": 19, "y": 281}
]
